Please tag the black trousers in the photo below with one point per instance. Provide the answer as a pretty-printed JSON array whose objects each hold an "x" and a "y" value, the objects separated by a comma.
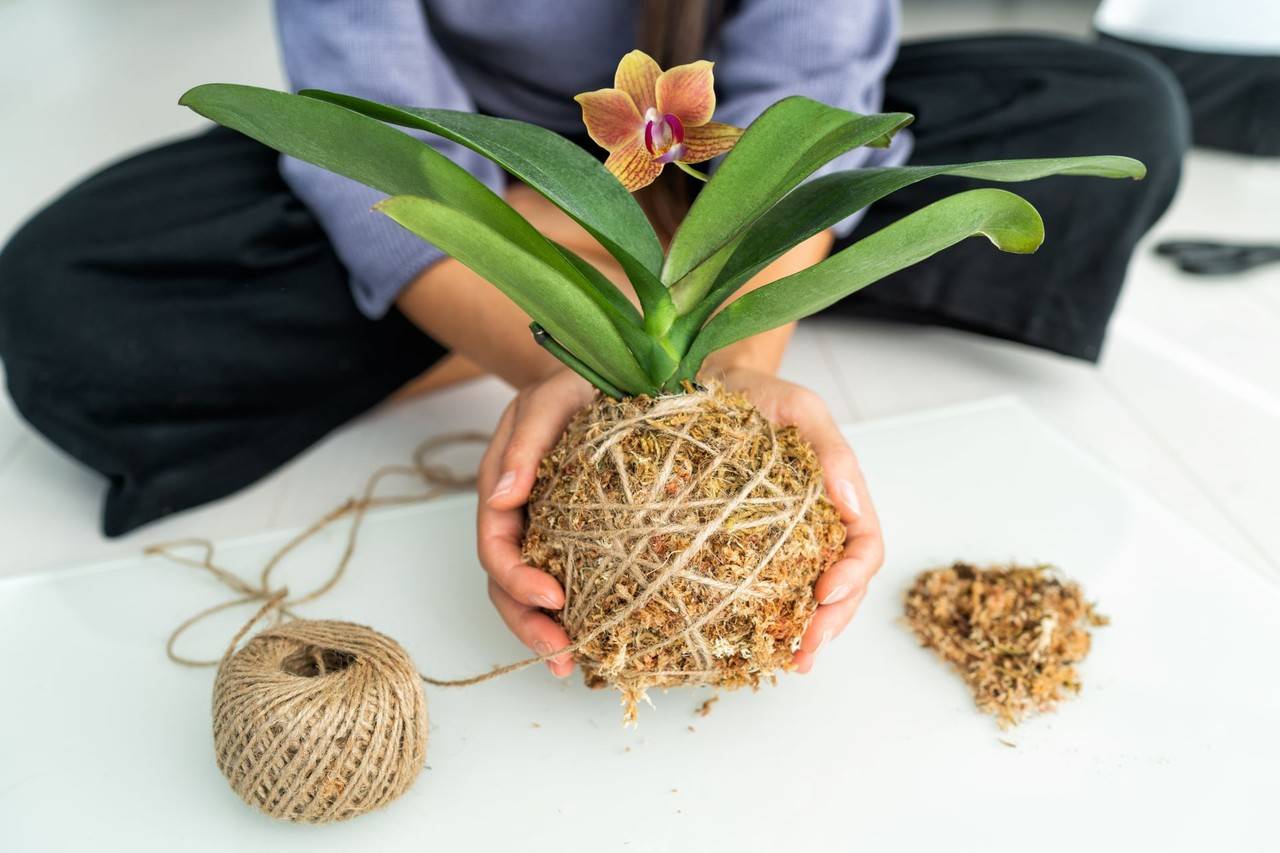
[
  {"x": 1234, "y": 99},
  {"x": 179, "y": 322}
]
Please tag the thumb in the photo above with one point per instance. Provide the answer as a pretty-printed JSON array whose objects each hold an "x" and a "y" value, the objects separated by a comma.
[{"x": 540, "y": 419}]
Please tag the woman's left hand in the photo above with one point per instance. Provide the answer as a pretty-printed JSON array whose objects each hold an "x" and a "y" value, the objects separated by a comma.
[{"x": 841, "y": 587}]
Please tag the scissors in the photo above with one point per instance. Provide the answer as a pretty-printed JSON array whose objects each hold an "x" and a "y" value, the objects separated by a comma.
[{"x": 1203, "y": 257}]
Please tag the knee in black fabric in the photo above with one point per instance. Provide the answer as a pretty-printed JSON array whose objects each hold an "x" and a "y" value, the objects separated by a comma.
[
  {"x": 1264, "y": 138},
  {"x": 1147, "y": 105},
  {"x": 54, "y": 359},
  {"x": 58, "y": 317},
  {"x": 26, "y": 284},
  {"x": 178, "y": 323}
]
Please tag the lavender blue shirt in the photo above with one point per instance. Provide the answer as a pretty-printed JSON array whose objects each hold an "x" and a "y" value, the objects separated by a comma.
[{"x": 526, "y": 60}]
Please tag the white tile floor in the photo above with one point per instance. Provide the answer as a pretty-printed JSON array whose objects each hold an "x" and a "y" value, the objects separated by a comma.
[{"x": 1186, "y": 401}]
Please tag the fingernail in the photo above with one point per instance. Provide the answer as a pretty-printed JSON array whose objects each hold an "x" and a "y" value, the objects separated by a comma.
[
  {"x": 826, "y": 638},
  {"x": 545, "y": 601},
  {"x": 505, "y": 482},
  {"x": 543, "y": 648},
  {"x": 848, "y": 496},
  {"x": 836, "y": 594}
]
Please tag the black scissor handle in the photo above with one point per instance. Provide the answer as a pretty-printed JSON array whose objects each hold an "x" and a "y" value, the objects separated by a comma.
[{"x": 1204, "y": 257}]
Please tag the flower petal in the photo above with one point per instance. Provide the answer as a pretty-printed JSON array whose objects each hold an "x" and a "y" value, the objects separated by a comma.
[
  {"x": 633, "y": 166},
  {"x": 709, "y": 140},
  {"x": 637, "y": 75},
  {"x": 688, "y": 93},
  {"x": 611, "y": 117}
]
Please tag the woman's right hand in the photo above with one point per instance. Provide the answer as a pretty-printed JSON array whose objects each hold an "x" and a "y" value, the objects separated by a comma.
[{"x": 527, "y": 431}]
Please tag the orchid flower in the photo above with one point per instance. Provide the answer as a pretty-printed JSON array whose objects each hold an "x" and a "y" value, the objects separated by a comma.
[{"x": 653, "y": 117}]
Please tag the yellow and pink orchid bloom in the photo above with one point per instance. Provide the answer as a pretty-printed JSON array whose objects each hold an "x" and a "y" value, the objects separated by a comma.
[{"x": 653, "y": 117}]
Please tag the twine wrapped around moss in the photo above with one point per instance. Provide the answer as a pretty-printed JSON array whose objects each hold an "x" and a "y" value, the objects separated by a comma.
[{"x": 688, "y": 533}]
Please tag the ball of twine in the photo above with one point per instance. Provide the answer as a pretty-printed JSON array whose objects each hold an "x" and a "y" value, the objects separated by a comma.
[
  {"x": 319, "y": 721},
  {"x": 687, "y": 532},
  {"x": 313, "y": 720}
]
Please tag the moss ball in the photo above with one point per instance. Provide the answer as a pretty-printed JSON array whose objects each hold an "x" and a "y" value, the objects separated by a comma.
[{"x": 688, "y": 533}]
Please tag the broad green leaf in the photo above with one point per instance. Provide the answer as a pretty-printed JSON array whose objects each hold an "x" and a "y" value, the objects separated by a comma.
[
  {"x": 1008, "y": 220},
  {"x": 368, "y": 151},
  {"x": 782, "y": 147},
  {"x": 566, "y": 175},
  {"x": 829, "y": 199},
  {"x": 539, "y": 289},
  {"x": 363, "y": 149}
]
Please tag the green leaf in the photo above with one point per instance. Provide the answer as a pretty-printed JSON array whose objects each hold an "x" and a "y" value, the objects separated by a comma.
[
  {"x": 561, "y": 171},
  {"x": 823, "y": 202},
  {"x": 541, "y": 291},
  {"x": 360, "y": 148},
  {"x": 782, "y": 147},
  {"x": 1008, "y": 220},
  {"x": 366, "y": 150}
]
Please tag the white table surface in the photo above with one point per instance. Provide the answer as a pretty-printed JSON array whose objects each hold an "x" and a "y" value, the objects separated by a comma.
[{"x": 1174, "y": 744}]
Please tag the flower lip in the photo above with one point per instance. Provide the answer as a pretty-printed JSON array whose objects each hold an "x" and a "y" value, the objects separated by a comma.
[
  {"x": 675, "y": 152},
  {"x": 663, "y": 136}
]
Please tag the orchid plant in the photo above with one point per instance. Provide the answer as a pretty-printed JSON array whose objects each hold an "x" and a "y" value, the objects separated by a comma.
[{"x": 754, "y": 208}]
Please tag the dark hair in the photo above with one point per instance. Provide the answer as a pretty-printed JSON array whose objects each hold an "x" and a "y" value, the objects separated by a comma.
[{"x": 674, "y": 32}]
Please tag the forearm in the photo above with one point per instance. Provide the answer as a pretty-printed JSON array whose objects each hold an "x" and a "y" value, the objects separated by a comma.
[{"x": 473, "y": 319}]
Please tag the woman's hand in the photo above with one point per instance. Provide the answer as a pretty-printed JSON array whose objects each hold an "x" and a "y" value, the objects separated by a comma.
[
  {"x": 532, "y": 424},
  {"x": 841, "y": 587},
  {"x": 527, "y": 431}
]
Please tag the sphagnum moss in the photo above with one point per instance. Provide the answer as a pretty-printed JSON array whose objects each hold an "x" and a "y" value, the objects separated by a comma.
[
  {"x": 1014, "y": 633},
  {"x": 688, "y": 533}
]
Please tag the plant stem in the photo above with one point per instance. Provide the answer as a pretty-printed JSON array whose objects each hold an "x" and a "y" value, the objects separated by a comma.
[
  {"x": 551, "y": 345},
  {"x": 689, "y": 170}
]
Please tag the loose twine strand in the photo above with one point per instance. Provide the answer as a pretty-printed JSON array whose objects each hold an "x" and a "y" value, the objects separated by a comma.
[{"x": 276, "y": 602}]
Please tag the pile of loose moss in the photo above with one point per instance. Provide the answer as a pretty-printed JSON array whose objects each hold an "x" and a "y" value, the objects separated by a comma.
[
  {"x": 688, "y": 533},
  {"x": 1013, "y": 633}
]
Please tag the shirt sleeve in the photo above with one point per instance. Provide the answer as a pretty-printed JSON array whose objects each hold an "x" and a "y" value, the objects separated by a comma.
[
  {"x": 381, "y": 50},
  {"x": 834, "y": 51}
]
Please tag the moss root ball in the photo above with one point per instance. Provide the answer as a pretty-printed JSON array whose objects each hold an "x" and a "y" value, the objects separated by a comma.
[{"x": 688, "y": 533}]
